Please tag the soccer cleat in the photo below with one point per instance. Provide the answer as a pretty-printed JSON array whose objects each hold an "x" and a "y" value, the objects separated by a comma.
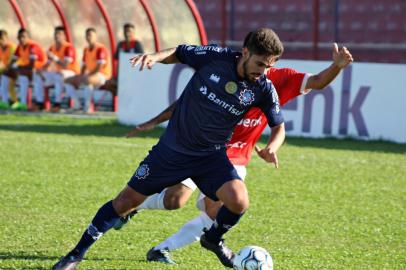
[
  {"x": 161, "y": 255},
  {"x": 69, "y": 262},
  {"x": 124, "y": 220},
  {"x": 225, "y": 255},
  {"x": 19, "y": 107},
  {"x": 4, "y": 105}
]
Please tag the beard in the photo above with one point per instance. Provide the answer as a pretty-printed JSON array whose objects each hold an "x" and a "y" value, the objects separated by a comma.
[
  {"x": 249, "y": 76},
  {"x": 245, "y": 69}
]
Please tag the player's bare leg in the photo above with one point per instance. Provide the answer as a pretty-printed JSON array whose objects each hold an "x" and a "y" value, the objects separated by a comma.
[
  {"x": 75, "y": 81},
  {"x": 171, "y": 198},
  {"x": 212, "y": 208},
  {"x": 93, "y": 79},
  {"x": 177, "y": 196},
  {"x": 234, "y": 195},
  {"x": 126, "y": 201}
]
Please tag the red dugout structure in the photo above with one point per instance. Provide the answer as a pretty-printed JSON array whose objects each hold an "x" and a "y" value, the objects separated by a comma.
[{"x": 159, "y": 23}]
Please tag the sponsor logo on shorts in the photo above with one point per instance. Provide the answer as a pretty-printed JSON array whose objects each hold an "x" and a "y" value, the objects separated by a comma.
[
  {"x": 142, "y": 172},
  {"x": 246, "y": 97}
]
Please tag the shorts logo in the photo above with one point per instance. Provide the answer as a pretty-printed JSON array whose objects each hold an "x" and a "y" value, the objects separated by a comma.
[
  {"x": 246, "y": 97},
  {"x": 142, "y": 172}
]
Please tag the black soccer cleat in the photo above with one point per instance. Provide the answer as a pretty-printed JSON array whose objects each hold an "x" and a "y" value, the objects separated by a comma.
[
  {"x": 69, "y": 262},
  {"x": 160, "y": 255},
  {"x": 225, "y": 255}
]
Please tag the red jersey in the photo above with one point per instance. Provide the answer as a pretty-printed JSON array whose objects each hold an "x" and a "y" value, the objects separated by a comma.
[
  {"x": 97, "y": 55},
  {"x": 6, "y": 54},
  {"x": 289, "y": 84},
  {"x": 31, "y": 51},
  {"x": 65, "y": 52}
]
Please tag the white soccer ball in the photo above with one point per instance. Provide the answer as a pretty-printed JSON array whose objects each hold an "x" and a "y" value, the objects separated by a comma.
[{"x": 253, "y": 258}]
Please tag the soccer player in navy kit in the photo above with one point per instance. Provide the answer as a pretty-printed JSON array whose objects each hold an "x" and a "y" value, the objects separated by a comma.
[{"x": 224, "y": 87}]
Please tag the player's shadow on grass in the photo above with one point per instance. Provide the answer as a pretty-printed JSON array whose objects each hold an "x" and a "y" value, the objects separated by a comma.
[
  {"x": 26, "y": 256},
  {"x": 22, "y": 255}
]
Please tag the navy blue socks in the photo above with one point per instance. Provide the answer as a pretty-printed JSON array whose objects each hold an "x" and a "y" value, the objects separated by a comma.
[
  {"x": 104, "y": 220},
  {"x": 225, "y": 220}
]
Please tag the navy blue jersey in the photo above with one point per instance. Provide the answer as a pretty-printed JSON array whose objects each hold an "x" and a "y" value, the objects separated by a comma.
[{"x": 215, "y": 100}]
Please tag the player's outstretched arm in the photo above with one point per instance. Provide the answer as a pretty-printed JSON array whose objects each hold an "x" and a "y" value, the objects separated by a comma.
[
  {"x": 150, "y": 124},
  {"x": 275, "y": 142},
  {"x": 167, "y": 56},
  {"x": 341, "y": 59}
]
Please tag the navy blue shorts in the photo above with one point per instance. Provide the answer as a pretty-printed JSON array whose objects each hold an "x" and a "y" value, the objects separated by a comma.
[{"x": 164, "y": 167}]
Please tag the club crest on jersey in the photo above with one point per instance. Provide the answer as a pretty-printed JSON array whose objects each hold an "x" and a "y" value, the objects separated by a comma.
[
  {"x": 231, "y": 87},
  {"x": 246, "y": 97},
  {"x": 142, "y": 172}
]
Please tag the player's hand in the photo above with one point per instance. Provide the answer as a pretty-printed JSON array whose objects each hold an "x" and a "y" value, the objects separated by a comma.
[
  {"x": 341, "y": 57},
  {"x": 138, "y": 129},
  {"x": 144, "y": 60},
  {"x": 52, "y": 56},
  {"x": 267, "y": 155}
]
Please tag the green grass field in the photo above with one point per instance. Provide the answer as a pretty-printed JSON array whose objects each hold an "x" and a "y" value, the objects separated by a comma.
[{"x": 332, "y": 204}]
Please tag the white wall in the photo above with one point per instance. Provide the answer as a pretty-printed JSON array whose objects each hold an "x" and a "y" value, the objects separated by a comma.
[{"x": 366, "y": 101}]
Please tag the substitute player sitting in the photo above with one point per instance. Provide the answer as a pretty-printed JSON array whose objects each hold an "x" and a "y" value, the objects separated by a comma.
[
  {"x": 129, "y": 45},
  {"x": 96, "y": 69},
  {"x": 7, "y": 49},
  {"x": 289, "y": 84},
  {"x": 28, "y": 58},
  {"x": 62, "y": 64},
  {"x": 194, "y": 144}
]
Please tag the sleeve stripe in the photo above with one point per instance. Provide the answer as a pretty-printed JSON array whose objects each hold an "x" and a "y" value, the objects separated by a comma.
[
  {"x": 303, "y": 90},
  {"x": 68, "y": 59}
]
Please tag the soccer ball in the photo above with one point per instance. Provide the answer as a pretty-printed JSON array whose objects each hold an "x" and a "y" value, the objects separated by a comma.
[{"x": 253, "y": 258}]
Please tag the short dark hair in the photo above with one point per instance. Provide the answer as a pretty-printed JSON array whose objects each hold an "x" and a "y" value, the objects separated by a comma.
[
  {"x": 263, "y": 41},
  {"x": 22, "y": 31},
  {"x": 59, "y": 28},
  {"x": 129, "y": 25},
  {"x": 3, "y": 33},
  {"x": 90, "y": 29}
]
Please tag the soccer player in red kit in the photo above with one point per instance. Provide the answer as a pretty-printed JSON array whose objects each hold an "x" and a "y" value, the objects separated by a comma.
[{"x": 289, "y": 84}]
